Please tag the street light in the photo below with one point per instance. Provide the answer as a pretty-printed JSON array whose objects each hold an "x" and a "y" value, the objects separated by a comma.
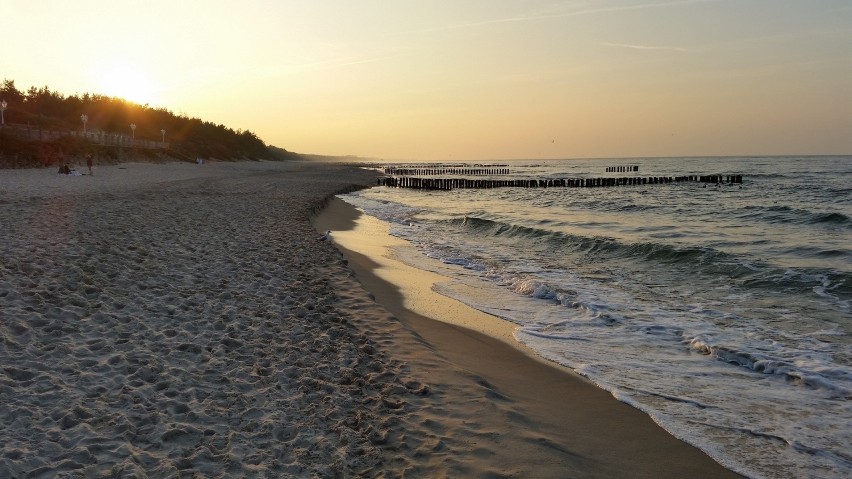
[
  {"x": 84, "y": 118},
  {"x": 163, "y": 132},
  {"x": 3, "y": 106},
  {"x": 133, "y": 129}
]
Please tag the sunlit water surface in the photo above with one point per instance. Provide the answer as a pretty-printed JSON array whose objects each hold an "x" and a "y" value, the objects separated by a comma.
[{"x": 721, "y": 311}]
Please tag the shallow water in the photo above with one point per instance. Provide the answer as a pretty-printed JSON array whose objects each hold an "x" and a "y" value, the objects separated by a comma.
[{"x": 721, "y": 311}]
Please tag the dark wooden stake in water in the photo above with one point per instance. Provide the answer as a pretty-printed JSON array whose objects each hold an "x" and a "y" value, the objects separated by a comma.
[
  {"x": 453, "y": 183},
  {"x": 622, "y": 169}
]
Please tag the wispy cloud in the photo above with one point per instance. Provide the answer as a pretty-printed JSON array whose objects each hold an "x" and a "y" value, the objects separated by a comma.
[
  {"x": 328, "y": 64},
  {"x": 568, "y": 14},
  {"x": 622, "y": 8},
  {"x": 646, "y": 47}
]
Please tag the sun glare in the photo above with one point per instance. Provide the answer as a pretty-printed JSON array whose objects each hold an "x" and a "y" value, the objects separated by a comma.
[{"x": 125, "y": 81}]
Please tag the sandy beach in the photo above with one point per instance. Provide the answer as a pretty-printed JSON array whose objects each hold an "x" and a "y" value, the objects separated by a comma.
[{"x": 185, "y": 320}]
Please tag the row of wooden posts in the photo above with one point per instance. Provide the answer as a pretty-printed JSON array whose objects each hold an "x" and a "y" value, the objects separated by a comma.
[
  {"x": 486, "y": 170},
  {"x": 453, "y": 183},
  {"x": 481, "y": 171},
  {"x": 622, "y": 169}
]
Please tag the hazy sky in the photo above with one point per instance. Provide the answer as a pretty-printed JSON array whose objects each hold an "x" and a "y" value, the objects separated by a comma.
[{"x": 462, "y": 79}]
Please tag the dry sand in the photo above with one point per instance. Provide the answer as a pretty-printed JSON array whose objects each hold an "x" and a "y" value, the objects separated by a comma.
[{"x": 184, "y": 321}]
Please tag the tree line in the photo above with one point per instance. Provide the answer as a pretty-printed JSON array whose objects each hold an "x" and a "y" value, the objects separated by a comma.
[{"x": 188, "y": 138}]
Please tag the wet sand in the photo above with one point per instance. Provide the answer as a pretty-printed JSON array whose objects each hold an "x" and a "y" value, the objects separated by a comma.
[{"x": 534, "y": 417}]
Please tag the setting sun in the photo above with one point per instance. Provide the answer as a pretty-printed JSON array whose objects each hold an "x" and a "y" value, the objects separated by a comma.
[
  {"x": 478, "y": 80},
  {"x": 125, "y": 81}
]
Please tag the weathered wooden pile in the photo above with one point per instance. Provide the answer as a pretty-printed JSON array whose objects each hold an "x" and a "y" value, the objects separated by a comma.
[
  {"x": 622, "y": 169},
  {"x": 483, "y": 170},
  {"x": 454, "y": 183}
]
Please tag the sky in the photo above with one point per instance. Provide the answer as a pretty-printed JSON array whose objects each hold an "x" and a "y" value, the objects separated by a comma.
[{"x": 436, "y": 80}]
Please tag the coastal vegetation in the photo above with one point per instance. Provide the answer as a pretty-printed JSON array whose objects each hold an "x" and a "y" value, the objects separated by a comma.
[{"x": 43, "y": 127}]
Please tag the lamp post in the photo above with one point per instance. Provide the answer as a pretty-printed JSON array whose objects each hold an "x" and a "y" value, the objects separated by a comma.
[
  {"x": 163, "y": 132},
  {"x": 133, "y": 130},
  {"x": 84, "y": 118},
  {"x": 3, "y": 106}
]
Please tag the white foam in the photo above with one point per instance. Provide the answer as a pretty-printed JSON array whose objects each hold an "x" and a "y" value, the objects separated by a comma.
[{"x": 681, "y": 350}]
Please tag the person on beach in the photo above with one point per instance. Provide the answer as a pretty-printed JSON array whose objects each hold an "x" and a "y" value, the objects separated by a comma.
[{"x": 89, "y": 163}]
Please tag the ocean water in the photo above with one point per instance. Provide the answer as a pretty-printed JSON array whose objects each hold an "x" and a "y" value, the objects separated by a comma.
[{"x": 723, "y": 312}]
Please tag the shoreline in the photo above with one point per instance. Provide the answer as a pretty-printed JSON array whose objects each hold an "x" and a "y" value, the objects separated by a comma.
[
  {"x": 589, "y": 432},
  {"x": 166, "y": 320}
]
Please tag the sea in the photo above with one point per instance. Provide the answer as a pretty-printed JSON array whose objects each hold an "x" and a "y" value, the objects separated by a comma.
[{"x": 723, "y": 311}]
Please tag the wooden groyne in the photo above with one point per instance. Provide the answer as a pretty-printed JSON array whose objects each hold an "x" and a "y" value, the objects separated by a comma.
[
  {"x": 444, "y": 170},
  {"x": 622, "y": 169},
  {"x": 454, "y": 183}
]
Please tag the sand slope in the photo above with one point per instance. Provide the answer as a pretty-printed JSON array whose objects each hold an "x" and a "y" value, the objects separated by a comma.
[{"x": 182, "y": 326}]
